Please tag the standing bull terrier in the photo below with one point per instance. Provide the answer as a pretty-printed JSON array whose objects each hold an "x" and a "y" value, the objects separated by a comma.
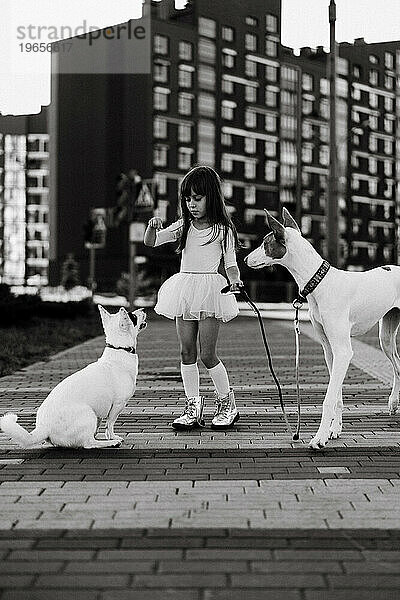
[
  {"x": 341, "y": 305},
  {"x": 70, "y": 414}
]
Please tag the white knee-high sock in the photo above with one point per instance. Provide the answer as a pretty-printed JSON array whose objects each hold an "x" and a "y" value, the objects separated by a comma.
[
  {"x": 191, "y": 379},
  {"x": 220, "y": 379}
]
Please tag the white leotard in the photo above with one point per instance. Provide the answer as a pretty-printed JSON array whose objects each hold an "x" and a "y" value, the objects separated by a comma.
[{"x": 197, "y": 256}]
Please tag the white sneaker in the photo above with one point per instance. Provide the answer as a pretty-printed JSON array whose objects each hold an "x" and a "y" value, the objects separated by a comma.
[
  {"x": 192, "y": 415},
  {"x": 226, "y": 413}
]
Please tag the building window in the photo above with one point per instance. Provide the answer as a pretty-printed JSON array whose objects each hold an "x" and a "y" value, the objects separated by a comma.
[
  {"x": 271, "y": 47},
  {"x": 324, "y": 86},
  {"x": 185, "y": 76},
  {"x": 356, "y": 93},
  {"x": 270, "y": 149},
  {"x": 372, "y": 165},
  {"x": 307, "y": 82},
  {"x": 357, "y": 71},
  {"x": 388, "y": 125},
  {"x": 355, "y": 183},
  {"x": 389, "y": 82},
  {"x": 206, "y": 50},
  {"x": 160, "y": 157},
  {"x": 372, "y": 187},
  {"x": 250, "y": 41},
  {"x": 250, "y": 68},
  {"x": 251, "y": 93},
  {"x": 226, "y": 139},
  {"x": 226, "y": 164},
  {"x": 228, "y": 190},
  {"x": 307, "y": 106},
  {"x": 288, "y": 126},
  {"x": 342, "y": 87},
  {"x": 228, "y": 60},
  {"x": 207, "y": 27},
  {"x": 250, "y": 145},
  {"x": 185, "y": 51},
  {"x": 206, "y": 142},
  {"x": 253, "y": 21},
  {"x": 271, "y": 73},
  {"x": 324, "y": 155},
  {"x": 161, "y": 44},
  {"x": 184, "y": 132},
  {"x": 324, "y": 134},
  {"x": 307, "y": 130},
  {"x": 372, "y": 122},
  {"x": 373, "y": 99},
  {"x": 270, "y": 171},
  {"x": 389, "y": 60},
  {"x": 161, "y": 72},
  {"x": 185, "y": 104},
  {"x": 373, "y": 143},
  {"x": 160, "y": 98},
  {"x": 388, "y": 168},
  {"x": 373, "y": 77},
  {"x": 373, "y": 59},
  {"x": 324, "y": 108},
  {"x": 271, "y": 97},
  {"x": 228, "y": 110},
  {"x": 206, "y": 105},
  {"x": 184, "y": 158},
  {"x": 250, "y": 194},
  {"x": 227, "y": 86},
  {"x": 250, "y": 119},
  {"x": 160, "y": 128},
  {"x": 388, "y": 104},
  {"x": 388, "y": 191},
  {"x": 307, "y": 154},
  {"x": 270, "y": 123},
  {"x": 249, "y": 169},
  {"x": 228, "y": 33},
  {"x": 206, "y": 77},
  {"x": 271, "y": 23},
  {"x": 388, "y": 147}
]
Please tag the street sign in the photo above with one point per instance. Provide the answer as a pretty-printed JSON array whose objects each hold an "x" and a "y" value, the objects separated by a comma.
[{"x": 136, "y": 232}]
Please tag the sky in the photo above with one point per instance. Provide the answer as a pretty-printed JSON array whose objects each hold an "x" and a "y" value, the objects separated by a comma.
[{"x": 25, "y": 76}]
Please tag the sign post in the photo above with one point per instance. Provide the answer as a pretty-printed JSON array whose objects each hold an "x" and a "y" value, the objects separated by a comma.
[{"x": 95, "y": 238}]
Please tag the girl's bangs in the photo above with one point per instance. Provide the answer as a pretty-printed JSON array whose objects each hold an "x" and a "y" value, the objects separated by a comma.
[{"x": 193, "y": 181}]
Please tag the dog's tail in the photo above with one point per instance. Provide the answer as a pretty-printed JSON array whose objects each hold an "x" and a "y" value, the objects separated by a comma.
[{"x": 9, "y": 425}]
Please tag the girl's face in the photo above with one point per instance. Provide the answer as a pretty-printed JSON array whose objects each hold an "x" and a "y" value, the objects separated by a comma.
[{"x": 196, "y": 204}]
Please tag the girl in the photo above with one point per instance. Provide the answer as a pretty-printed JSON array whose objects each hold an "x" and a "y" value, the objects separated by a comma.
[{"x": 193, "y": 296}]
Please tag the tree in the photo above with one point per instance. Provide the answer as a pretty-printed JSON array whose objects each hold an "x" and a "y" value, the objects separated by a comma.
[{"x": 70, "y": 273}]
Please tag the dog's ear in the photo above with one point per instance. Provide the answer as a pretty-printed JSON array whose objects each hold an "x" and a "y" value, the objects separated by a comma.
[
  {"x": 288, "y": 220},
  {"x": 105, "y": 316},
  {"x": 277, "y": 228},
  {"x": 124, "y": 319}
]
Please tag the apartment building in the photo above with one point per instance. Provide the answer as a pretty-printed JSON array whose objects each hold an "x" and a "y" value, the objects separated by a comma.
[{"x": 24, "y": 199}]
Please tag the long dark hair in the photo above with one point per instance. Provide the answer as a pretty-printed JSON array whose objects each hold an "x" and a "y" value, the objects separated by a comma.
[{"x": 204, "y": 181}]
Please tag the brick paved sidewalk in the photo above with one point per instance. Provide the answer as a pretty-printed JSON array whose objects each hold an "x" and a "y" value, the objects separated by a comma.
[{"x": 208, "y": 515}]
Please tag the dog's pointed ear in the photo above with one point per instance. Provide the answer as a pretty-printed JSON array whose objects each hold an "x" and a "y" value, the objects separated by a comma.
[
  {"x": 105, "y": 316},
  {"x": 124, "y": 319},
  {"x": 288, "y": 220},
  {"x": 277, "y": 228}
]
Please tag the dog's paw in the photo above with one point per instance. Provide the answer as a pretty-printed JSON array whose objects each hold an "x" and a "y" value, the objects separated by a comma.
[
  {"x": 319, "y": 441},
  {"x": 116, "y": 442},
  {"x": 115, "y": 438}
]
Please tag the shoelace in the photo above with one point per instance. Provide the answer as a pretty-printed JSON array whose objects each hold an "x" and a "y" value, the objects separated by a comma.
[
  {"x": 222, "y": 407},
  {"x": 190, "y": 409}
]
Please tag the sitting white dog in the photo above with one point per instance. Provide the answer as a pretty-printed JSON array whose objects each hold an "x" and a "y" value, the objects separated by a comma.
[{"x": 70, "y": 414}]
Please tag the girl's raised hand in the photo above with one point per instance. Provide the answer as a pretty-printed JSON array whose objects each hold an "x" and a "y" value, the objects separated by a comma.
[{"x": 156, "y": 223}]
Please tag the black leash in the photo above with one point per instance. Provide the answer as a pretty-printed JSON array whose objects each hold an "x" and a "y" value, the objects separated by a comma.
[{"x": 247, "y": 298}]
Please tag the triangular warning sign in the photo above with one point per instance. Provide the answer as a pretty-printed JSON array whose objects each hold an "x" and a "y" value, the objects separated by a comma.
[{"x": 145, "y": 198}]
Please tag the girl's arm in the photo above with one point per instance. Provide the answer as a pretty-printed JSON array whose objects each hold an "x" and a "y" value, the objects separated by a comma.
[
  {"x": 154, "y": 225},
  {"x": 233, "y": 274},
  {"x": 232, "y": 270}
]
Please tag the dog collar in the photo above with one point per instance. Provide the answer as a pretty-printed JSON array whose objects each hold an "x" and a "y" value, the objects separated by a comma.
[
  {"x": 130, "y": 349},
  {"x": 314, "y": 281}
]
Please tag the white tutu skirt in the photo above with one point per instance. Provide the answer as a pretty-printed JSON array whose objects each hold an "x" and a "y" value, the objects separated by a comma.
[{"x": 195, "y": 296}]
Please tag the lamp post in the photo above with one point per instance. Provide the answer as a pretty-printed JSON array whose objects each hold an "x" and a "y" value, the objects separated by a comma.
[{"x": 332, "y": 204}]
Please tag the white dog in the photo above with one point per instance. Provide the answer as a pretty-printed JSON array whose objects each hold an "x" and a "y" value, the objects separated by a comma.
[
  {"x": 70, "y": 414},
  {"x": 341, "y": 304}
]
